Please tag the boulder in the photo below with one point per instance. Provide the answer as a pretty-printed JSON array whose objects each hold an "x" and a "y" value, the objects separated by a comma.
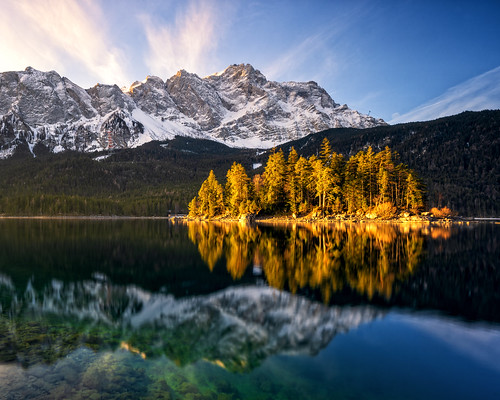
[{"x": 247, "y": 218}]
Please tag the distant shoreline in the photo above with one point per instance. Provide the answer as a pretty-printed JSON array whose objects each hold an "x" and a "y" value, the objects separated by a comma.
[{"x": 83, "y": 217}]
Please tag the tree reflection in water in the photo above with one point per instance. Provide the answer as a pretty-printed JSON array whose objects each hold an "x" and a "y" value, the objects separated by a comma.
[{"x": 369, "y": 258}]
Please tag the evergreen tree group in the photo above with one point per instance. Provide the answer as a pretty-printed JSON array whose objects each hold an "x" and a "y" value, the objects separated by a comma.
[{"x": 327, "y": 182}]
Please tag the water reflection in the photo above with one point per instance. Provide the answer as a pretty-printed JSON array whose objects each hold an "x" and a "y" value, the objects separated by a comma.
[
  {"x": 453, "y": 268},
  {"x": 99, "y": 309},
  {"x": 371, "y": 259},
  {"x": 236, "y": 328}
]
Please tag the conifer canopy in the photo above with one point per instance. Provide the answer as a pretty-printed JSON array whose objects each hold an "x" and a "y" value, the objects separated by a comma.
[{"x": 366, "y": 182}]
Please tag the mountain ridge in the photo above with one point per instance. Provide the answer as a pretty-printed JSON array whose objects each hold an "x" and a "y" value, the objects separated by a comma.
[{"x": 237, "y": 106}]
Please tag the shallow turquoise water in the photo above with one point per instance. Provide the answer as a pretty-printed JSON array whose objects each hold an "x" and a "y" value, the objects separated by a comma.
[{"x": 151, "y": 309}]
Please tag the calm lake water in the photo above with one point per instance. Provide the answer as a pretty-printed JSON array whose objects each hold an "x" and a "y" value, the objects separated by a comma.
[{"x": 131, "y": 309}]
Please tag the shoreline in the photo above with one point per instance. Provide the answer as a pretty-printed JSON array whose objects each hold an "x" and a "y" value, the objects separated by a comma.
[
  {"x": 85, "y": 217},
  {"x": 264, "y": 219},
  {"x": 354, "y": 220},
  {"x": 343, "y": 218}
]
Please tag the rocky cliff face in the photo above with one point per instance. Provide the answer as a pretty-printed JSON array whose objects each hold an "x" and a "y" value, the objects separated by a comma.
[{"x": 238, "y": 106}]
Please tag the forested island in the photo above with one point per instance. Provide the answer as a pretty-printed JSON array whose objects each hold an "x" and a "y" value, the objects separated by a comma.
[{"x": 367, "y": 183}]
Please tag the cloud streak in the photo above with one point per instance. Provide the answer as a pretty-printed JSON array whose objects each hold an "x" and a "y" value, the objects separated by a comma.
[
  {"x": 479, "y": 342},
  {"x": 190, "y": 43},
  {"x": 294, "y": 59},
  {"x": 67, "y": 35},
  {"x": 326, "y": 55},
  {"x": 476, "y": 94}
]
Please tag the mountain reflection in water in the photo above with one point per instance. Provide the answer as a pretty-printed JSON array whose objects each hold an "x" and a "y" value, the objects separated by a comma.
[{"x": 236, "y": 328}]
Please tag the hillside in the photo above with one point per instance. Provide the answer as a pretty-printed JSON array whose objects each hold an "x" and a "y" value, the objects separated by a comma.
[
  {"x": 458, "y": 158},
  {"x": 154, "y": 179}
]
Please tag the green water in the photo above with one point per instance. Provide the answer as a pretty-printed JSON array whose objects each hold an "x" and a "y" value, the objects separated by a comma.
[{"x": 131, "y": 309}]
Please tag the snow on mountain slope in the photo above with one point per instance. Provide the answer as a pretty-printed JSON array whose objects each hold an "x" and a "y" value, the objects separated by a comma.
[{"x": 237, "y": 106}]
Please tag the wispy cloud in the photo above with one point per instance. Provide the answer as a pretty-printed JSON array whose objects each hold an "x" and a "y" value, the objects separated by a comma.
[
  {"x": 479, "y": 342},
  {"x": 292, "y": 61},
  {"x": 476, "y": 94},
  {"x": 365, "y": 102},
  {"x": 66, "y": 35},
  {"x": 190, "y": 43},
  {"x": 327, "y": 54}
]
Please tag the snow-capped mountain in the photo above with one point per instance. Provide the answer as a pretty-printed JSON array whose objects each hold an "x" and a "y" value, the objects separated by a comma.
[{"x": 237, "y": 106}]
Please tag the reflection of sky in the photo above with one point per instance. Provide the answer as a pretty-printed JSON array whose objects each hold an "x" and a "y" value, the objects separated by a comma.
[
  {"x": 413, "y": 356},
  {"x": 480, "y": 342}
]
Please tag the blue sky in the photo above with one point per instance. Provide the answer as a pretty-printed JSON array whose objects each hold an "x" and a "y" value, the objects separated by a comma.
[{"x": 395, "y": 59}]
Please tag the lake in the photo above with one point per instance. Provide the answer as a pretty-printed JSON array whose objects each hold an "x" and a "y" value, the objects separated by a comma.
[{"x": 157, "y": 309}]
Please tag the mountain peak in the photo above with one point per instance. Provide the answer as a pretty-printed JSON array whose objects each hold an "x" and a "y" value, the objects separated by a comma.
[
  {"x": 41, "y": 74},
  {"x": 238, "y": 107},
  {"x": 243, "y": 68},
  {"x": 150, "y": 80},
  {"x": 240, "y": 72},
  {"x": 184, "y": 74}
]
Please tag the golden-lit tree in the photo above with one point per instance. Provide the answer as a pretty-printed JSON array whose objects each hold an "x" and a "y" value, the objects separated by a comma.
[
  {"x": 305, "y": 183},
  {"x": 414, "y": 199},
  {"x": 325, "y": 151},
  {"x": 210, "y": 197},
  {"x": 292, "y": 188},
  {"x": 237, "y": 196},
  {"x": 352, "y": 185},
  {"x": 193, "y": 207},
  {"x": 259, "y": 192},
  {"x": 274, "y": 178}
]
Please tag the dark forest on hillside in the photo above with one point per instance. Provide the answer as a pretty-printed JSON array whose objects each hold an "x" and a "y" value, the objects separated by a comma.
[{"x": 458, "y": 159}]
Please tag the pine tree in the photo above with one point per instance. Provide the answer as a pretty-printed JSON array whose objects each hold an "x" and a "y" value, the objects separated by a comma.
[
  {"x": 400, "y": 177},
  {"x": 305, "y": 183},
  {"x": 352, "y": 187},
  {"x": 383, "y": 185},
  {"x": 293, "y": 157},
  {"x": 259, "y": 191},
  {"x": 413, "y": 196},
  {"x": 274, "y": 178},
  {"x": 366, "y": 175},
  {"x": 237, "y": 190},
  {"x": 210, "y": 196},
  {"x": 193, "y": 207},
  {"x": 334, "y": 193},
  {"x": 370, "y": 177},
  {"x": 385, "y": 176},
  {"x": 325, "y": 151},
  {"x": 291, "y": 186},
  {"x": 321, "y": 178}
]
